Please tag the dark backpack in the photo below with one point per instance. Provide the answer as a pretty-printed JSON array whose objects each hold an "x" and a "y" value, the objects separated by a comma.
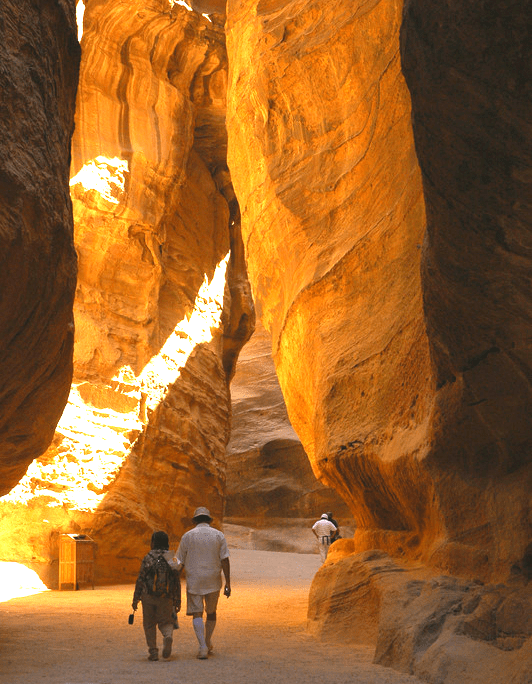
[{"x": 159, "y": 577}]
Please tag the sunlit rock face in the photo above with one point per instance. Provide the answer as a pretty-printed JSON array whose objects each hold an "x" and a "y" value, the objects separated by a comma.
[
  {"x": 323, "y": 162},
  {"x": 162, "y": 304},
  {"x": 410, "y": 396},
  {"x": 40, "y": 55},
  {"x": 402, "y": 350},
  {"x": 272, "y": 495}
]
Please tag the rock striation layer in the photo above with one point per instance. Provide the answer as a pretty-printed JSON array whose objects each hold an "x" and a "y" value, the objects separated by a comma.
[
  {"x": 400, "y": 334},
  {"x": 40, "y": 56},
  {"x": 333, "y": 226},
  {"x": 162, "y": 304}
]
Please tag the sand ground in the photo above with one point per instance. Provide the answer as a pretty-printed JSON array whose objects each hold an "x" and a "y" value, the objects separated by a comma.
[{"x": 83, "y": 637}]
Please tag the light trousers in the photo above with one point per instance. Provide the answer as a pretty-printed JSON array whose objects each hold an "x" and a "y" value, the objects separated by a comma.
[
  {"x": 324, "y": 544},
  {"x": 156, "y": 612}
]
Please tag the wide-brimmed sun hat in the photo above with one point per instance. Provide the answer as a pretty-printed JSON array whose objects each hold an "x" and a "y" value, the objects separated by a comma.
[{"x": 201, "y": 511}]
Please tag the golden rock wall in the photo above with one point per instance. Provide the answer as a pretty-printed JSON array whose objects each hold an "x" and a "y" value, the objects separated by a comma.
[
  {"x": 333, "y": 223},
  {"x": 386, "y": 232},
  {"x": 437, "y": 627},
  {"x": 162, "y": 304}
]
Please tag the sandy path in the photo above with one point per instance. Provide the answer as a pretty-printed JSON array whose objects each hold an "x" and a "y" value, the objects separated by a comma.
[{"x": 83, "y": 637}]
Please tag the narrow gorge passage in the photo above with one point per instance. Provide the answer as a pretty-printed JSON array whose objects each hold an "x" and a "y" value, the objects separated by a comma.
[{"x": 83, "y": 637}]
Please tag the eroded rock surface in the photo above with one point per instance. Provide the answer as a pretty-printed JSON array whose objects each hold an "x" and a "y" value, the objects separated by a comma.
[
  {"x": 437, "y": 627},
  {"x": 333, "y": 226},
  {"x": 410, "y": 396},
  {"x": 401, "y": 341},
  {"x": 40, "y": 56},
  {"x": 162, "y": 302}
]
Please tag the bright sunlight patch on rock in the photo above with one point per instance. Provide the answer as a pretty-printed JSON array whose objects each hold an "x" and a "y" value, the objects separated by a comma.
[{"x": 96, "y": 433}]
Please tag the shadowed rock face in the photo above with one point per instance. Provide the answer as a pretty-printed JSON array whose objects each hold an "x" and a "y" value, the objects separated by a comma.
[
  {"x": 39, "y": 54},
  {"x": 208, "y": 6},
  {"x": 403, "y": 355},
  {"x": 268, "y": 475},
  {"x": 471, "y": 104}
]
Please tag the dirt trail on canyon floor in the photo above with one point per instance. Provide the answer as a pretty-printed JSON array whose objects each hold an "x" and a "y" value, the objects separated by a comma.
[{"x": 83, "y": 637}]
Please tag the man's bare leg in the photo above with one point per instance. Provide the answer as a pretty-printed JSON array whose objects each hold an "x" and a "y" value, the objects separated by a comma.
[{"x": 210, "y": 624}]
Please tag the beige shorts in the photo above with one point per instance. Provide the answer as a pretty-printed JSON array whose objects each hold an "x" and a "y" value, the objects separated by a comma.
[{"x": 195, "y": 602}]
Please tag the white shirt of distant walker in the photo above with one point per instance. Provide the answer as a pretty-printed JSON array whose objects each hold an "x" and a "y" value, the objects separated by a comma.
[{"x": 323, "y": 528}]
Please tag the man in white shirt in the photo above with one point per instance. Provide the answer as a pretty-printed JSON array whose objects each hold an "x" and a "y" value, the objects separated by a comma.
[
  {"x": 203, "y": 553},
  {"x": 324, "y": 530}
]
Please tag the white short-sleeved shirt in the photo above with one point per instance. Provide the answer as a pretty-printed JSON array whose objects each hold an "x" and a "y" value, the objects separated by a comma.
[
  {"x": 323, "y": 527},
  {"x": 201, "y": 551}
]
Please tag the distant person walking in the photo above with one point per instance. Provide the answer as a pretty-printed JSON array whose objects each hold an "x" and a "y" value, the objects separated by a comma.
[
  {"x": 204, "y": 555},
  {"x": 323, "y": 531},
  {"x": 159, "y": 589}
]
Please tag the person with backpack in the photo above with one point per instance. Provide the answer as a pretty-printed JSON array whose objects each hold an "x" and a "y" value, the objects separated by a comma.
[
  {"x": 158, "y": 587},
  {"x": 204, "y": 555}
]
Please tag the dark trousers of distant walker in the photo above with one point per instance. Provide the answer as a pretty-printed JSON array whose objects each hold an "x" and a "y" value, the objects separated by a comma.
[
  {"x": 323, "y": 544},
  {"x": 157, "y": 612}
]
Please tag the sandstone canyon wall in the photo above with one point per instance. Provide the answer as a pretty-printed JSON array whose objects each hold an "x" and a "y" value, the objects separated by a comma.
[
  {"x": 162, "y": 303},
  {"x": 380, "y": 156},
  {"x": 443, "y": 629},
  {"x": 398, "y": 304},
  {"x": 40, "y": 56},
  {"x": 411, "y": 394},
  {"x": 272, "y": 496}
]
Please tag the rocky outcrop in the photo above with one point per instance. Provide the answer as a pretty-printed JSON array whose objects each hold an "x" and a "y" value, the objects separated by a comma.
[
  {"x": 409, "y": 398},
  {"x": 162, "y": 305},
  {"x": 272, "y": 495},
  {"x": 437, "y": 627},
  {"x": 40, "y": 55}
]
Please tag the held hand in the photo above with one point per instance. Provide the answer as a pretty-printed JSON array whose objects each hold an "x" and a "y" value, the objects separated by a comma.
[
  {"x": 134, "y": 605},
  {"x": 227, "y": 590}
]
